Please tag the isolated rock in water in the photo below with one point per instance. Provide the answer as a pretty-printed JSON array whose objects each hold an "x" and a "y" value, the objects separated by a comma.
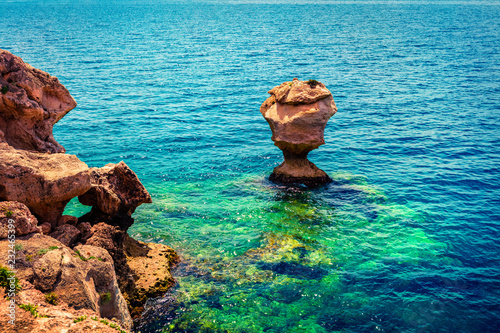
[
  {"x": 24, "y": 222},
  {"x": 115, "y": 194},
  {"x": 31, "y": 102},
  {"x": 297, "y": 113},
  {"x": 43, "y": 182}
]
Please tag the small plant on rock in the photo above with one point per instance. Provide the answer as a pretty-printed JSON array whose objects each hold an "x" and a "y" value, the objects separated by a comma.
[
  {"x": 32, "y": 309},
  {"x": 41, "y": 252},
  {"x": 313, "y": 83},
  {"x": 5, "y": 89},
  {"x": 8, "y": 213},
  {"x": 105, "y": 297},
  {"x": 79, "y": 319},
  {"x": 51, "y": 298},
  {"x": 5, "y": 275}
]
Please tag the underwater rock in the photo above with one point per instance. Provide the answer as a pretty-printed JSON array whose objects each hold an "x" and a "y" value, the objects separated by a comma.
[
  {"x": 297, "y": 113},
  {"x": 31, "y": 102},
  {"x": 151, "y": 268},
  {"x": 25, "y": 223},
  {"x": 294, "y": 270},
  {"x": 43, "y": 182},
  {"x": 143, "y": 269},
  {"x": 115, "y": 194}
]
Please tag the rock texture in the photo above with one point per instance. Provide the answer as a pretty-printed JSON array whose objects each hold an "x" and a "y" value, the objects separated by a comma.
[
  {"x": 297, "y": 113},
  {"x": 150, "y": 265},
  {"x": 25, "y": 223},
  {"x": 43, "y": 182},
  {"x": 53, "y": 318},
  {"x": 83, "y": 279},
  {"x": 31, "y": 102},
  {"x": 35, "y": 180},
  {"x": 115, "y": 194}
]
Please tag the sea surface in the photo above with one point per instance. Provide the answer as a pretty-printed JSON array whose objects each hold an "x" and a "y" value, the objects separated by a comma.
[{"x": 406, "y": 238}]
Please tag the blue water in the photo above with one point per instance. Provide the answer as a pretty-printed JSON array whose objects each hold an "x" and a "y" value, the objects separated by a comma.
[{"x": 406, "y": 238}]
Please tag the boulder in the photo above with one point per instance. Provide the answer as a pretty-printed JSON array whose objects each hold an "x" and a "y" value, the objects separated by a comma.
[
  {"x": 67, "y": 234},
  {"x": 31, "y": 102},
  {"x": 297, "y": 113},
  {"x": 24, "y": 222},
  {"x": 43, "y": 182},
  {"x": 115, "y": 194},
  {"x": 143, "y": 269},
  {"x": 150, "y": 265}
]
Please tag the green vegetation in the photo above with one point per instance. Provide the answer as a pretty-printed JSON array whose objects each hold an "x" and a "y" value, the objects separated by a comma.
[
  {"x": 18, "y": 247},
  {"x": 313, "y": 83},
  {"x": 8, "y": 213},
  {"x": 110, "y": 324},
  {"x": 32, "y": 309},
  {"x": 41, "y": 252},
  {"x": 51, "y": 298},
  {"x": 85, "y": 259},
  {"x": 29, "y": 257},
  {"x": 5, "y": 274},
  {"x": 105, "y": 297},
  {"x": 5, "y": 89},
  {"x": 79, "y": 319}
]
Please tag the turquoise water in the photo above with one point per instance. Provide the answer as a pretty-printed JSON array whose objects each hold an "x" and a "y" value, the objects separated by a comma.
[{"x": 406, "y": 238}]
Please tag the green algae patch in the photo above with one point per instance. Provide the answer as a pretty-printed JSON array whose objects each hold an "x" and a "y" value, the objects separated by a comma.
[{"x": 257, "y": 257}]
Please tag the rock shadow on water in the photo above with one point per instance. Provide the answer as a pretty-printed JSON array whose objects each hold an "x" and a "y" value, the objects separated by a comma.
[{"x": 294, "y": 270}]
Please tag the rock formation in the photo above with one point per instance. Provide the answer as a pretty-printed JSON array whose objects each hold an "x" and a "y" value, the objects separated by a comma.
[
  {"x": 115, "y": 194},
  {"x": 25, "y": 222},
  {"x": 43, "y": 182},
  {"x": 31, "y": 102},
  {"x": 297, "y": 113},
  {"x": 90, "y": 262},
  {"x": 83, "y": 279}
]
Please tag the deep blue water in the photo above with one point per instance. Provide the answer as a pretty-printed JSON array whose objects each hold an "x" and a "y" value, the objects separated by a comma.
[{"x": 407, "y": 238}]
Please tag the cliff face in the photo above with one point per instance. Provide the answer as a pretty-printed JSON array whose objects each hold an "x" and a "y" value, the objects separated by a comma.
[
  {"x": 37, "y": 180},
  {"x": 297, "y": 113},
  {"x": 31, "y": 102}
]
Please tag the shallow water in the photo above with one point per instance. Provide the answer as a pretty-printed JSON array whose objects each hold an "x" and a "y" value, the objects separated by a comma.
[{"x": 407, "y": 236}]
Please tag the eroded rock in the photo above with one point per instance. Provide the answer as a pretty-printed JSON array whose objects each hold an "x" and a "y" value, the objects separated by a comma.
[
  {"x": 67, "y": 234},
  {"x": 43, "y": 182},
  {"x": 31, "y": 102},
  {"x": 24, "y": 222},
  {"x": 297, "y": 113},
  {"x": 83, "y": 279},
  {"x": 115, "y": 194}
]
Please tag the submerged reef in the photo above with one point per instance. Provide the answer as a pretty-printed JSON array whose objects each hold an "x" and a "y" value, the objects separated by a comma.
[
  {"x": 284, "y": 258},
  {"x": 85, "y": 267},
  {"x": 297, "y": 113}
]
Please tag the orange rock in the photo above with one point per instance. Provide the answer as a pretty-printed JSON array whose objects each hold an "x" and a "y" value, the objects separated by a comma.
[
  {"x": 31, "y": 102},
  {"x": 297, "y": 113}
]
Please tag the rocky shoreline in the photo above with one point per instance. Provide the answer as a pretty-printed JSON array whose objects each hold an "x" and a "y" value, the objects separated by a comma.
[{"x": 75, "y": 274}]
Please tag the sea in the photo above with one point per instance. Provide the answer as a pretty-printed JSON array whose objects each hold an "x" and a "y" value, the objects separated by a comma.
[{"x": 407, "y": 236}]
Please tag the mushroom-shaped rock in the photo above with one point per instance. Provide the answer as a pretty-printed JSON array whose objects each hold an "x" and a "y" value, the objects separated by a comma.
[
  {"x": 31, "y": 102},
  {"x": 297, "y": 113}
]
